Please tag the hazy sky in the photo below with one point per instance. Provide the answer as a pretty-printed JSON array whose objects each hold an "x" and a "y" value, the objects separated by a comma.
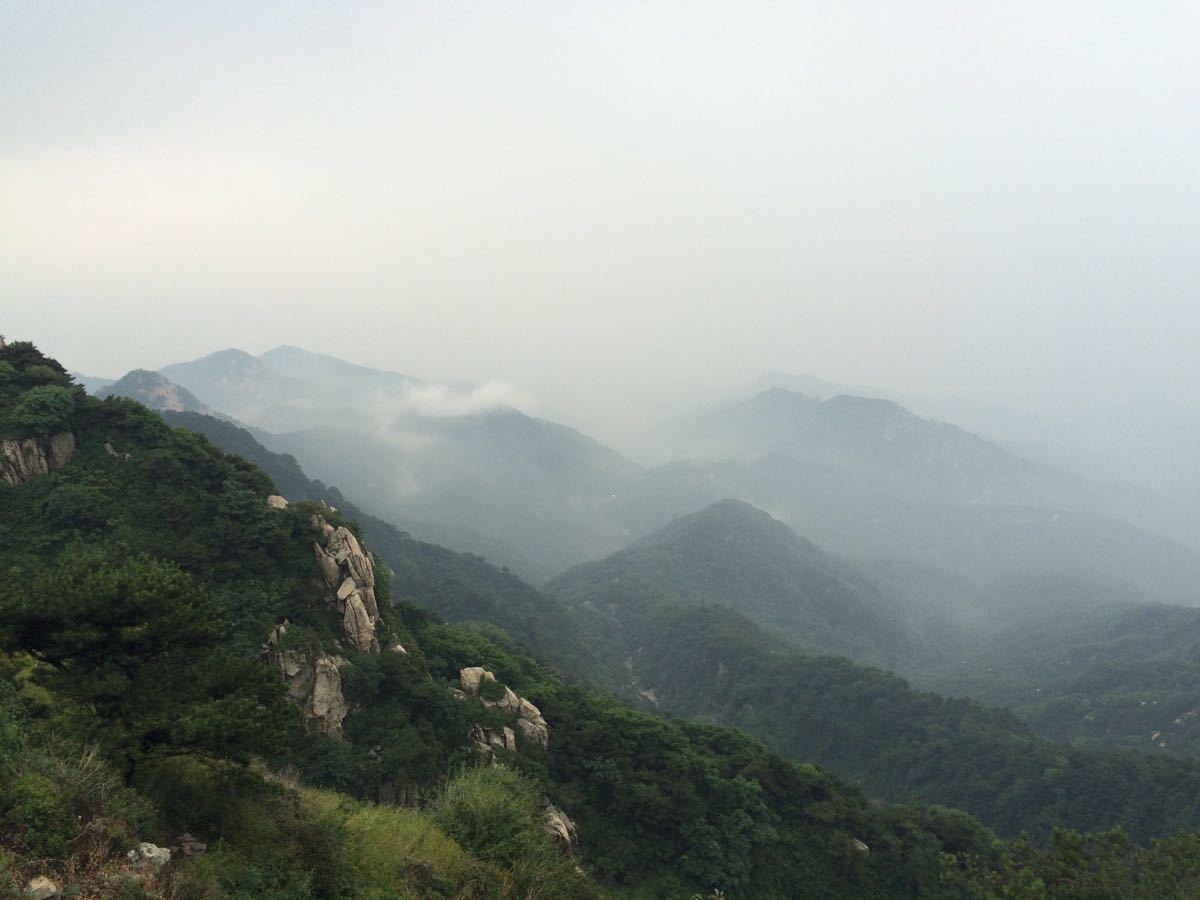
[{"x": 588, "y": 199}]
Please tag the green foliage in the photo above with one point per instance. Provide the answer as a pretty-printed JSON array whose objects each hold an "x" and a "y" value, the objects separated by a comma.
[
  {"x": 138, "y": 645},
  {"x": 42, "y": 410}
]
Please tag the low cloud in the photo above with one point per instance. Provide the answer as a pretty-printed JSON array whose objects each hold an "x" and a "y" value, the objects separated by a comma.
[{"x": 441, "y": 401}]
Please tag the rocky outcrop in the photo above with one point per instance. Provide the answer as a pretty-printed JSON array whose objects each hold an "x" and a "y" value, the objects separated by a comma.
[
  {"x": 349, "y": 576},
  {"x": 21, "y": 460},
  {"x": 529, "y": 720},
  {"x": 42, "y": 888},
  {"x": 277, "y": 502},
  {"x": 314, "y": 682},
  {"x": 559, "y": 826},
  {"x": 149, "y": 855},
  {"x": 532, "y": 726}
]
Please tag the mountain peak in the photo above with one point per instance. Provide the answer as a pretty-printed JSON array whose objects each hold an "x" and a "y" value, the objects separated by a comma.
[{"x": 156, "y": 391}]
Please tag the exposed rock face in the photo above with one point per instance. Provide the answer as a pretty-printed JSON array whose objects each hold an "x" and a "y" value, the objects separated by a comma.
[
  {"x": 349, "y": 576},
  {"x": 28, "y": 458},
  {"x": 535, "y": 732},
  {"x": 148, "y": 854},
  {"x": 559, "y": 826},
  {"x": 472, "y": 677},
  {"x": 529, "y": 720},
  {"x": 314, "y": 682},
  {"x": 277, "y": 502},
  {"x": 42, "y": 888},
  {"x": 487, "y": 741}
]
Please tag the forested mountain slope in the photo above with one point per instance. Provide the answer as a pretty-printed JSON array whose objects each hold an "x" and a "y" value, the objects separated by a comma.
[
  {"x": 155, "y": 607},
  {"x": 733, "y": 554},
  {"x": 685, "y": 610}
]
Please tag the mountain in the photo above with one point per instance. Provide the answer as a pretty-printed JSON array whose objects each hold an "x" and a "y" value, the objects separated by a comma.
[
  {"x": 155, "y": 391},
  {"x": 319, "y": 368},
  {"x": 1147, "y": 441},
  {"x": 728, "y": 616},
  {"x": 245, "y": 387},
  {"x": 734, "y": 555},
  {"x": 863, "y": 515},
  {"x": 921, "y": 457},
  {"x": 540, "y": 487},
  {"x": 476, "y": 473},
  {"x": 91, "y": 383}
]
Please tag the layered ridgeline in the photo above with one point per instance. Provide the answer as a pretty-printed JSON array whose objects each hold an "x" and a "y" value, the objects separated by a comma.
[
  {"x": 206, "y": 692},
  {"x": 461, "y": 457},
  {"x": 864, "y": 479},
  {"x": 708, "y": 617},
  {"x": 921, "y": 457}
]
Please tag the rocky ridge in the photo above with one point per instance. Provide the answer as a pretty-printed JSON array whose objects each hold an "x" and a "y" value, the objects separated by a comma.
[{"x": 349, "y": 576}]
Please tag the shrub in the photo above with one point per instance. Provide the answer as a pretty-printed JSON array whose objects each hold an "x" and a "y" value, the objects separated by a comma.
[
  {"x": 496, "y": 814},
  {"x": 36, "y": 809}
]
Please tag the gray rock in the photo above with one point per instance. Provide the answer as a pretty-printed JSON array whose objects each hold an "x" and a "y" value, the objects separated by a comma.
[
  {"x": 349, "y": 575},
  {"x": 474, "y": 676},
  {"x": 42, "y": 888},
  {"x": 313, "y": 682},
  {"x": 150, "y": 855},
  {"x": 21, "y": 460},
  {"x": 559, "y": 826}
]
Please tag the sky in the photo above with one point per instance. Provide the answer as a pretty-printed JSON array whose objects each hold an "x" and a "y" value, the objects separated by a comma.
[{"x": 616, "y": 207}]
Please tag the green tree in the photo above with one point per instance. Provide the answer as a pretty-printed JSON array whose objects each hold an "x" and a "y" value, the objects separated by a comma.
[
  {"x": 43, "y": 409},
  {"x": 136, "y": 643}
]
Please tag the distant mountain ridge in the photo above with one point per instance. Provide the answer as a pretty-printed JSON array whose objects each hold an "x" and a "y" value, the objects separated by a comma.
[{"x": 924, "y": 458}]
